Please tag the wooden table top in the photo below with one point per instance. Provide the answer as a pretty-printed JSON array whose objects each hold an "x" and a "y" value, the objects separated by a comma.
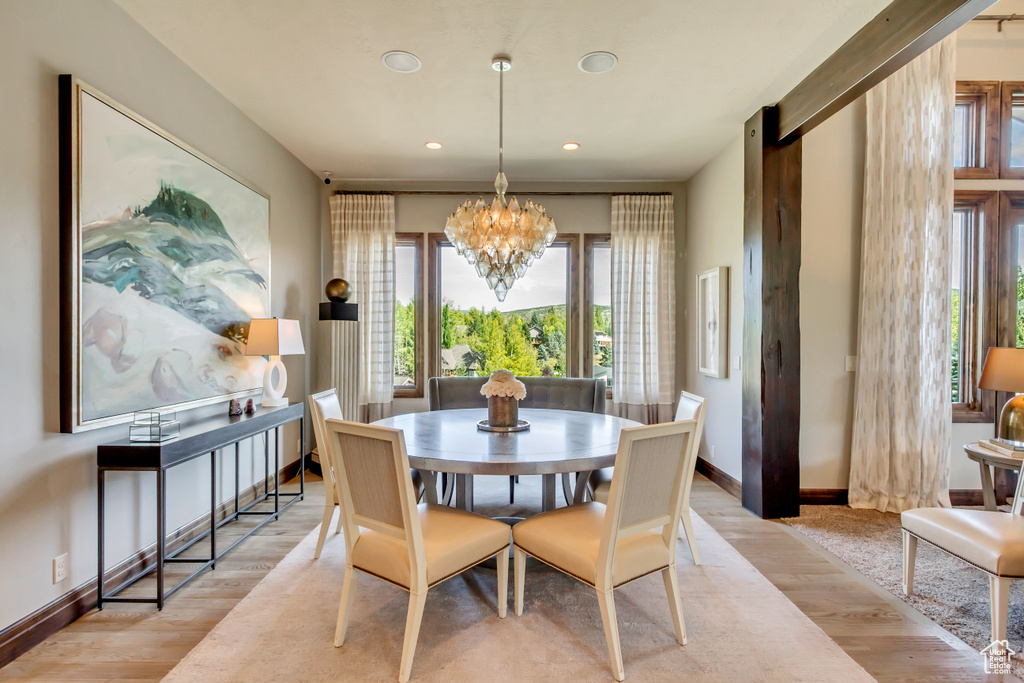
[
  {"x": 991, "y": 457},
  {"x": 557, "y": 441}
]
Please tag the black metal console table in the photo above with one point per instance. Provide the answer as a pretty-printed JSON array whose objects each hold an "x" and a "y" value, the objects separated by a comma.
[{"x": 199, "y": 438}]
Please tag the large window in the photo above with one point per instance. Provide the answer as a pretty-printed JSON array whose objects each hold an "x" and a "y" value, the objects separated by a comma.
[
  {"x": 976, "y": 129},
  {"x": 973, "y": 280},
  {"x": 532, "y": 332},
  {"x": 598, "y": 346},
  {"x": 408, "y": 315},
  {"x": 1012, "y": 157}
]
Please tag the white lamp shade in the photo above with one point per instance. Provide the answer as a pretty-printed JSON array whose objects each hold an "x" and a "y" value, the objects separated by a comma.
[{"x": 274, "y": 337}]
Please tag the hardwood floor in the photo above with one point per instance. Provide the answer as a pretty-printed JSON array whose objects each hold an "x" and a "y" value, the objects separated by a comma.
[{"x": 135, "y": 642}]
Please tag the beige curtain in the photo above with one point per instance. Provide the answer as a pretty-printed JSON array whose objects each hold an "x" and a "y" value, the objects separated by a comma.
[
  {"x": 363, "y": 232},
  {"x": 643, "y": 307},
  {"x": 902, "y": 409}
]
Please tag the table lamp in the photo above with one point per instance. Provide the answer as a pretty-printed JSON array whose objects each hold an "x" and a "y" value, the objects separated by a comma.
[
  {"x": 1004, "y": 371},
  {"x": 274, "y": 337}
]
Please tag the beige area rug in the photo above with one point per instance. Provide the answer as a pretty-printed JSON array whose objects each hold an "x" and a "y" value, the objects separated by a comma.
[
  {"x": 739, "y": 628},
  {"x": 948, "y": 591}
]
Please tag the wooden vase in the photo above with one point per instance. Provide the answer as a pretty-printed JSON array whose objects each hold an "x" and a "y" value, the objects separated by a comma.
[{"x": 502, "y": 411}]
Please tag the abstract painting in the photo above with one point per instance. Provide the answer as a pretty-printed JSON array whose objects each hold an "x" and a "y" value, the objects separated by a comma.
[
  {"x": 166, "y": 257},
  {"x": 713, "y": 322}
]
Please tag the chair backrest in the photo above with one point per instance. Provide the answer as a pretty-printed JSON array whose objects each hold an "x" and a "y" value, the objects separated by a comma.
[
  {"x": 372, "y": 470},
  {"x": 556, "y": 393},
  {"x": 691, "y": 407},
  {"x": 325, "y": 406},
  {"x": 647, "y": 488}
]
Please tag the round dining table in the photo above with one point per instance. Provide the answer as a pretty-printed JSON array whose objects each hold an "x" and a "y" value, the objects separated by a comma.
[{"x": 557, "y": 442}]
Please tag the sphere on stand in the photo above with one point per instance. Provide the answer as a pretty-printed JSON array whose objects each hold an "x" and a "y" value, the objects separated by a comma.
[{"x": 337, "y": 290}]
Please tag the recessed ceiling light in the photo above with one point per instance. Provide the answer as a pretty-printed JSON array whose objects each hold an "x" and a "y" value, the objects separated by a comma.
[
  {"x": 597, "y": 62},
  {"x": 433, "y": 145},
  {"x": 571, "y": 146},
  {"x": 402, "y": 62}
]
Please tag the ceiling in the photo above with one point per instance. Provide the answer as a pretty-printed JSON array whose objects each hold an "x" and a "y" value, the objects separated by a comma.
[{"x": 689, "y": 74}]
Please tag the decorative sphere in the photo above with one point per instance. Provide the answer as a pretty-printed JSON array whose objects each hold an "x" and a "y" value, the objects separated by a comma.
[{"x": 337, "y": 290}]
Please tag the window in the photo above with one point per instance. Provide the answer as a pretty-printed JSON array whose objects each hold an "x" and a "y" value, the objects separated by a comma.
[
  {"x": 1012, "y": 134},
  {"x": 598, "y": 346},
  {"x": 533, "y": 332},
  {"x": 408, "y": 315},
  {"x": 974, "y": 277},
  {"x": 976, "y": 129}
]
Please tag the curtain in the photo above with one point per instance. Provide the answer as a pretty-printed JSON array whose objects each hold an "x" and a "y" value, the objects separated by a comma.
[
  {"x": 902, "y": 410},
  {"x": 363, "y": 236},
  {"x": 643, "y": 307}
]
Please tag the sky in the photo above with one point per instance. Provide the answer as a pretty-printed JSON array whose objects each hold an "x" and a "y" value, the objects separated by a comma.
[{"x": 544, "y": 284}]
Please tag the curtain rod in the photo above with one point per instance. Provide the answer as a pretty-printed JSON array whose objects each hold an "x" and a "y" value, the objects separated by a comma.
[
  {"x": 548, "y": 194},
  {"x": 999, "y": 19}
]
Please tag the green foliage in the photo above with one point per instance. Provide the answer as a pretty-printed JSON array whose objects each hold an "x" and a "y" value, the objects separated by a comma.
[
  {"x": 1020, "y": 308},
  {"x": 405, "y": 338}
]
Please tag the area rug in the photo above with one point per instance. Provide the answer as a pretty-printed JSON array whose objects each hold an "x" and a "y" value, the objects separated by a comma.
[
  {"x": 951, "y": 593},
  {"x": 739, "y": 628}
]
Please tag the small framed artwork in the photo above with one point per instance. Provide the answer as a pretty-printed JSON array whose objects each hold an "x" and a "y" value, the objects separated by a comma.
[
  {"x": 713, "y": 322},
  {"x": 165, "y": 257}
]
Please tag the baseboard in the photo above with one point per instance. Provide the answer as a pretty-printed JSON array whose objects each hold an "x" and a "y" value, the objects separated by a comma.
[
  {"x": 28, "y": 632},
  {"x": 966, "y": 497},
  {"x": 720, "y": 478},
  {"x": 824, "y": 497}
]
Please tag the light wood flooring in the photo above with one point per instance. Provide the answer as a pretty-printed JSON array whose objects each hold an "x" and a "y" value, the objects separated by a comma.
[{"x": 135, "y": 642}]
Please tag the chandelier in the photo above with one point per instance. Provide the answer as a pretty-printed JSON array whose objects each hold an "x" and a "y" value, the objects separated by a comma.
[{"x": 500, "y": 238}]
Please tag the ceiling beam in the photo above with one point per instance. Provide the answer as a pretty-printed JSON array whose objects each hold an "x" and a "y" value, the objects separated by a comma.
[{"x": 901, "y": 32}]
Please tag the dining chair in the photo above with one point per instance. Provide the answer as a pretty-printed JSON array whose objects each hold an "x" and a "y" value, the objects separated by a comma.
[
  {"x": 608, "y": 546},
  {"x": 326, "y": 406},
  {"x": 991, "y": 541},
  {"x": 552, "y": 393},
  {"x": 390, "y": 537},
  {"x": 691, "y": 407}
]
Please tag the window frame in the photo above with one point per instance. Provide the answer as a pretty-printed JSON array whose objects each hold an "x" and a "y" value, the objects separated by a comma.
[
  {"x": 986, "y": 240},
  {"x": 438, "y": 240},
  {"x": 590, "y": 241},
  {"x": 1006, "y": 93},
  {"x": 985, "y": 96},
  {"x": 414, "y": 239}
]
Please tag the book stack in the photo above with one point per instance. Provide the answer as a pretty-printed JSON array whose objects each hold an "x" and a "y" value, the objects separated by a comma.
[{"x": 1010, "y": 449}]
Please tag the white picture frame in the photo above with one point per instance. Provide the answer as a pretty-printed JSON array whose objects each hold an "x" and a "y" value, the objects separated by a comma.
[{"x": 713, "y": 322}]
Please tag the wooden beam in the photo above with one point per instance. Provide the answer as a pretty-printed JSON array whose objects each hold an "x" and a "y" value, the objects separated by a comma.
[
  {"x": 901, "y": 32},
  {"x": 771, "y": 325}
]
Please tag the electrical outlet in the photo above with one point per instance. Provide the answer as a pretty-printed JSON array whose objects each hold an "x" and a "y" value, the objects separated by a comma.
[
  {"x": 60, "y": 568},
  {"x": 711, "y": 449},
  {"x": 737, "y": 362},
  {"x": 851, "y": 363},
  {"x": 298, "y": 446}
]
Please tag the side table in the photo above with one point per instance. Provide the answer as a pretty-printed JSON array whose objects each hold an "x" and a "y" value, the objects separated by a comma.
[{"x": 987, "y": 459}]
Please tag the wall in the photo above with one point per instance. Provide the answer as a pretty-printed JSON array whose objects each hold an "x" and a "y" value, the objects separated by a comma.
[
  {"x": 714, "y": 237},
  {"x": 47, "y": 491},
  {"x": 572, "y": 214}
]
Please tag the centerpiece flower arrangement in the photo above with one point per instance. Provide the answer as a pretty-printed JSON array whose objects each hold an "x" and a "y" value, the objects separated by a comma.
[{"x": 503, "y": 392}]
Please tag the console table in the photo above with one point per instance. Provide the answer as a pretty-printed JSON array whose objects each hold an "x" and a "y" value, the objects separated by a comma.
[{"x": 199, "y": 438}]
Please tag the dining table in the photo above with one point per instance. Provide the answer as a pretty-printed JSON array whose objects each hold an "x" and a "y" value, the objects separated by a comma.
[{"x": 556, "y": 442}]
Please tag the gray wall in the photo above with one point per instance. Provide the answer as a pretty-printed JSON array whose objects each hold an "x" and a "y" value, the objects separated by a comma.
[{"x": 47, "y": 479}]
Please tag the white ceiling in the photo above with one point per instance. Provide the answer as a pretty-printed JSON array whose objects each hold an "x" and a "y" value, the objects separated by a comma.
[{"x": 689, "y": 74}]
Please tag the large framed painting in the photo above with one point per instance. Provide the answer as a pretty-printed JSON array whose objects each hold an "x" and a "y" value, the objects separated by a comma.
[
  {"x": 713, "y": 322},
  {"x": 165, "y": 257}
]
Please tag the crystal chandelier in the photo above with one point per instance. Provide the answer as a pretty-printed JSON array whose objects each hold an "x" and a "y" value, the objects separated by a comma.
[{"x": 502, "y": 239}]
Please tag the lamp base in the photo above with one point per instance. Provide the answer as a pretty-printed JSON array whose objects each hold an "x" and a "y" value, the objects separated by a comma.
[
  {"x": 274, "y": 402},
  {"x": 273, "y": 392},
  {"x": 1011, "y": 420}
]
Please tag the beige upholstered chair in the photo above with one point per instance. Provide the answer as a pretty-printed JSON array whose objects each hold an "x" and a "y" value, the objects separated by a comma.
[
  {"x": 691, "y": 407},
  {"x": 325, "y": 406},
  {"x": 391, "y": 538},
  {"x": 991, "y": 541},
  {"x": 607, "y": 546}
]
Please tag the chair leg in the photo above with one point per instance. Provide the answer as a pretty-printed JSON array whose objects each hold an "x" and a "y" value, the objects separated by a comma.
[
  {"x": 687, "y": 530},
  {"x": 520, "y": 578},
  {"x": 412, "y": 633},
  {"x": 611, "y": 632},
  {"x": 511, "y": 490},
  {"x": 325, "y": 525},
  {"x": 1000, "y": 597},
  {"x": 672, "y": 589},
  {"x": 909, "y": 557},
  {"x": 348, "y": 596},
  {"x": 502, "y": 563},
  {"x": 337, "y": 529}
]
